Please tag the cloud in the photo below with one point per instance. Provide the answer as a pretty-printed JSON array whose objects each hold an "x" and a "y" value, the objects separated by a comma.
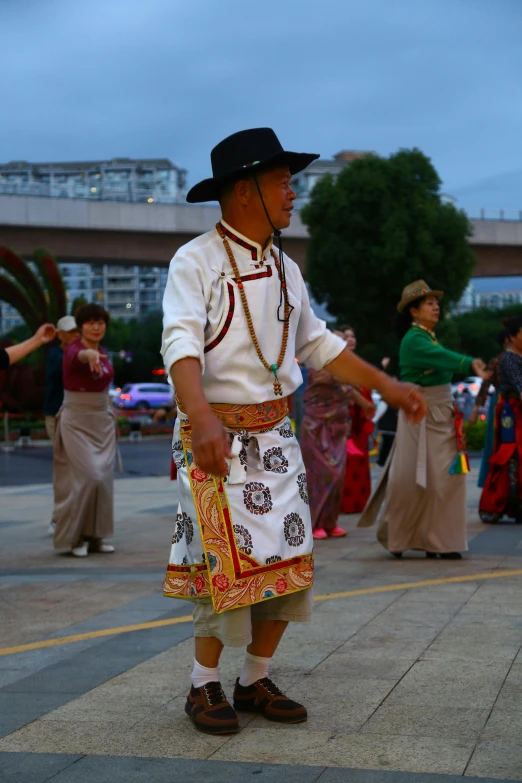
[{"x": 162, "y": 78}]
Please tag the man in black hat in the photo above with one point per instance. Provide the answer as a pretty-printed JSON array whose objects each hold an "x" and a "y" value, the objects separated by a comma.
[{"x": 236, "y": 317}]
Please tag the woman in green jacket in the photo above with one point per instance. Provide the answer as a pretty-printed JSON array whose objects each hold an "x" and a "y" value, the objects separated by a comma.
[{"x": 420, "y": 500}]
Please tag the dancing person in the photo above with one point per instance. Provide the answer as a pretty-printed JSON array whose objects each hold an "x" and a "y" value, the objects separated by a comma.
[
  {"x": 85, "y": 442},
  {"x": 324, "y": 432},
  {"x": 480, "y": 402},
  {"x": 502, "y": 493},
  {"x": 420, "y": 499},
  {"x": 66, "y": 332},
  {"x": 236, "y": 314},
  {"x": 357, "y": 485},
  {"x": 14, "y": 353}
]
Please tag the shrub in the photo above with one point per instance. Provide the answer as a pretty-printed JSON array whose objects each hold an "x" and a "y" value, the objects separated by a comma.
[{"x": 476, "y": 435}]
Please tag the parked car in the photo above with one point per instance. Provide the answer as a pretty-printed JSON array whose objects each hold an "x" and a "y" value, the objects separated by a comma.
[
  {"x": 143, "y": 396},
  {"x": 472, "y": 384}
]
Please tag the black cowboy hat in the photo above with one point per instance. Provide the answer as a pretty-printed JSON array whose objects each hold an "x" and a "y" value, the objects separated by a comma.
[{"x": 243, "y": 152}]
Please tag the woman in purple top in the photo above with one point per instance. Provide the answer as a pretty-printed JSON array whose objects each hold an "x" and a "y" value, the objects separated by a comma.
[{"x": 85, "y": 442}]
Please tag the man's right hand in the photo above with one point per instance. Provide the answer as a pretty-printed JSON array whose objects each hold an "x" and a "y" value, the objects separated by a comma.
[{"x": 210, "y": 444}]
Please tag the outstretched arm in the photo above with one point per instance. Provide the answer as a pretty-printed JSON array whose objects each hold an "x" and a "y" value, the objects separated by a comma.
[
  {"x": 43, "y": 335},
  {"x": 349, "y": 368}
]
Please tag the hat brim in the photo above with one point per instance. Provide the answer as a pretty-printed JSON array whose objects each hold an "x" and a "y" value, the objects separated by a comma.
[
  {"x": 210, "y": 189},
  {"x": 405, "y": 302}
]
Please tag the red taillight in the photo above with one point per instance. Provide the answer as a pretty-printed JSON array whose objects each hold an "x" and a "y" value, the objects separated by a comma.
[{"x": 125, "y": 396}]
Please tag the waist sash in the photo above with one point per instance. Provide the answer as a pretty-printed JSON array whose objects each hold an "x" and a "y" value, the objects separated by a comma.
[
  {"x": 260, "y": 416},
  {"x": 241, "y": 420}
]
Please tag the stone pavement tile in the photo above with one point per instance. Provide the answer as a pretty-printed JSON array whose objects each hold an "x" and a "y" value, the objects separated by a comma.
[
  {"x": 355, "y": 607},
  {"x": 439, "y": 684},
  {"x": 316, "y": 689},
  {"x": 427, "y": 721},
  {"x": 456, "y": 594},
  {"x": 33, "y": 767},
  {"x": 125, "y": 710},
  {"x": 371, "y": 751},
  {"x": 420, "y": 631},
  {"x": 343, "y": 775},
  {"x": 159, "y": 736},
  {"x": 378, "y": 646},
  {"x": 19, "y": 709},
  {"x": 510, "y": 697},
  {"x": 466, "y": 650},
  {"x": 8, "y": 676},
  {"x": 357, "y": 665},
  {"x": 497, "y": 760},
  {"x": 155, "y": 770},
  {"x": 504, "y": 724}
]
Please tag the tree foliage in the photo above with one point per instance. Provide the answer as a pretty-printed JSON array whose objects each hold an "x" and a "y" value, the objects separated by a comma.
[
  {"x": 381, "y": 225},
  {"x": 475, "y": 333},
  {"x": 143, "y": 339}
]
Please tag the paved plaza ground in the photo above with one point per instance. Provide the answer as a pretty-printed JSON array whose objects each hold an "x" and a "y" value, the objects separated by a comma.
[{"x": 411, "y": 669}]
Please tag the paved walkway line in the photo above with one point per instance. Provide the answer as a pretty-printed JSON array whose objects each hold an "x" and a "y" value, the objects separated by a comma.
[
  {"x": 187, "y": 618},
  {"x": 425, "y": 583}
]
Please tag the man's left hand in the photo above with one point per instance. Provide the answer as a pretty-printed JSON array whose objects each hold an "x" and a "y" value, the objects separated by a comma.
[{"x": 407, "y": 397}]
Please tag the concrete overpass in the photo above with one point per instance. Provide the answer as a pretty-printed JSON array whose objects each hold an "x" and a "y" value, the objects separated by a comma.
[{"x": 121, "y": 233}]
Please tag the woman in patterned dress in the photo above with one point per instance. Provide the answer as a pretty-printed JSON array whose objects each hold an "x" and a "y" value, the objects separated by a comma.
[
  {"x": 357, "y": 485},
  {"x": 324, "y": 431},
  {"x": 502, "y": 494}
]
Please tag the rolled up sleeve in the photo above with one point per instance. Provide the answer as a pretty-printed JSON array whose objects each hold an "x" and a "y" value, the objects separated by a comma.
[
  {"x": 316, "y": 345},
  {"x": 184, "y": 311}
]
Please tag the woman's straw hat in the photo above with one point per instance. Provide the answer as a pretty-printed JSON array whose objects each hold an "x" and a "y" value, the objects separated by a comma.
[{"x": 417, "y": 290}]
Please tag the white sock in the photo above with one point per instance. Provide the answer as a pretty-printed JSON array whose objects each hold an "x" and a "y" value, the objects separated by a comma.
[
  {"x": 201, "y": 675},
  {"x": 254, "y": 669}
]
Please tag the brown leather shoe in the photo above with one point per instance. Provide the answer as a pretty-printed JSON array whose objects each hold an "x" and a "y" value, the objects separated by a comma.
[
  {"x": 210, "y": 711},
  {"x": 265, "y": 698}
]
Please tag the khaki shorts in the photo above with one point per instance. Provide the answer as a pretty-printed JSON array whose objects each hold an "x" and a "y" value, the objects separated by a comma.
[{"x": 234, "y": 628}]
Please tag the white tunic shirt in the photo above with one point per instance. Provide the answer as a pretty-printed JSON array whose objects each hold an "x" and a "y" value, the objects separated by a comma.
[{"x": 203, "y": 318}]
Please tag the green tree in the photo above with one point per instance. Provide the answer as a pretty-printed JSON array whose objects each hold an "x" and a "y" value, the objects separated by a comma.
[
  {"x": 476, "y": 331},
  {"x": 143, "y": 339},
  {"x": 381, "y": 225},
  {"x": 77, "y": 302}
]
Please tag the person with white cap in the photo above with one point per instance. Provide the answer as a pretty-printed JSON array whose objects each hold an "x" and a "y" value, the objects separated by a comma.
[{"x": 66, "y": 332}]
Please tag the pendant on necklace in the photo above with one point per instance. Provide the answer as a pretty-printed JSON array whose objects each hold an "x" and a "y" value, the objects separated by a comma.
[{"x": 278, "y": 389}]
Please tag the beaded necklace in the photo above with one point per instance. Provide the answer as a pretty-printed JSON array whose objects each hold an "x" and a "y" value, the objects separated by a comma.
[{"x": 273, "y": 368}]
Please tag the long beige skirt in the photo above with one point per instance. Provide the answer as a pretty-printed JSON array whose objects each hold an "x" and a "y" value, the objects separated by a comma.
[
  {"x": 418, "y": 504},
  {"x": 84, "y": 451}
]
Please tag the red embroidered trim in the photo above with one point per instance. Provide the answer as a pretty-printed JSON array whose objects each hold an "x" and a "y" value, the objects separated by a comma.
[
  {"x": 255, "y": 275},
  {"x": 228, "y": 321},
  {"x": 238, "y": 241}
]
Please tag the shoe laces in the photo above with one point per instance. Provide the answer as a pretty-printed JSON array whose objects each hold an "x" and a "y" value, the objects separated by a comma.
[
  {"x": 215, "y": 693},
  {"x": 271, "y": 687}
]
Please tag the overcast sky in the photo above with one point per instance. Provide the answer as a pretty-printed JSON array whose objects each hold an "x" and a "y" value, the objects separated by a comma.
[{"x": 88, "y": 79}]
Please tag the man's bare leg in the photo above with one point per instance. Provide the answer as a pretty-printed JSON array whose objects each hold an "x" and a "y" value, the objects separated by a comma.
[
  {"x": 266, "y": 635},
  {"x": 208, "y": 651}
]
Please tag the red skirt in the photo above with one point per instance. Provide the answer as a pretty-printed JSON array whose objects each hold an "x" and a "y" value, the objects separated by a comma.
[
  {"x": 502, "y": 493},
  {"x": 357, "y": 483}
]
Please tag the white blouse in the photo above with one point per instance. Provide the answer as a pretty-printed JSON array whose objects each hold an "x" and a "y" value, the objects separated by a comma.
[{"x": 203, "y": 318}]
